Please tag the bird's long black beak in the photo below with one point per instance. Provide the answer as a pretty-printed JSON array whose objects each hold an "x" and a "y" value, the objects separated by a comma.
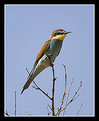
[{"x": 67, "y": 32}]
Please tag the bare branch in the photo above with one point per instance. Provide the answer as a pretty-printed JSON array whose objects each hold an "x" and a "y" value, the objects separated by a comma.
[
  {"x": 69, "y": 90},
  {"x": 53, "y": 89},
  {"x": 75, "y": 97},
  {"x": 77, "y": 89},
  {"x": 60, "y": 109},
  {"x": 72, "y": 99},
  {"x": 27, "y": 71},
  {"x": 62, "y": 101},
  {"x": 28, "y": 113},
  {"x": 15, "y": 103},
  {"x": 38, "y": 88},
  {"x": 79, "y": 109},
  {"x": 49, "y": 107},
  {"x": 68, "y": 94},
  {"x": 48, "y": 112},
  {"x": 7, "y": 113}
]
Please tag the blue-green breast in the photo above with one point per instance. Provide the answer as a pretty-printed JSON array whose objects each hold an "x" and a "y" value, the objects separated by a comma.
[{"x": 54, "y": 48}]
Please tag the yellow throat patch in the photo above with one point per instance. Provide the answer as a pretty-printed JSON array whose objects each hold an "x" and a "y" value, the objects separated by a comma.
[{"x": 60, "y": 37}]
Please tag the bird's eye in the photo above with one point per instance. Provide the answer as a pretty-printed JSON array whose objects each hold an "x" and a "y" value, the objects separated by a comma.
[{"x": 55, "y": 34}]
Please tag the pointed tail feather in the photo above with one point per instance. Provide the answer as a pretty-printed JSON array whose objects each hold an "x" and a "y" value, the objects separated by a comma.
[
  {"x": 28, "y": 83},
  {"x": 33, "y": 75}
]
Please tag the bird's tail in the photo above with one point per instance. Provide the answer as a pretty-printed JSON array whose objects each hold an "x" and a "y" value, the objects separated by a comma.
[
  {"x": 30, "y": 79},
  {"x": 32, "y": 76}
]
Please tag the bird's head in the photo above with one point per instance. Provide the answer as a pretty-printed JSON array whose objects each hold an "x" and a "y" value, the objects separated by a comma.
[{"x": 59, "y": 34}]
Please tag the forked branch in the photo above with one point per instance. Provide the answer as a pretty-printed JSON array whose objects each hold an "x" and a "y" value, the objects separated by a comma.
[
  {"x": 53, "y": 88},
  {"x": 38, "y": 88},
  {"x": 61, "y": 107},
  {"x": 71, "y": 100}
]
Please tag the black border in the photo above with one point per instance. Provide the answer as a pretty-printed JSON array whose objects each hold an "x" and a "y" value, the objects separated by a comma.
[{"x": 2, "y": 3}]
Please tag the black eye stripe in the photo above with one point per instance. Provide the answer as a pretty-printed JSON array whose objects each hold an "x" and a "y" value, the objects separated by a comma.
[{"x": 58, "y": 33}]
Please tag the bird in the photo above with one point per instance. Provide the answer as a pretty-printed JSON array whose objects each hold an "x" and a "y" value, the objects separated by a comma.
[{"x": 47, "y": 55}]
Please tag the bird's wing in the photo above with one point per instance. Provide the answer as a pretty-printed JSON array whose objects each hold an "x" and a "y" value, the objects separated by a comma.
[
  {"x": 42, "y": 51},
  {"x": 40, "y": 54}
]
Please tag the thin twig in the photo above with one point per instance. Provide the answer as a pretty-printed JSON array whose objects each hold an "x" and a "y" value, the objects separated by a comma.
[
  {"x": 62, "y": 101},
  {"x": 50, "y": 107},
  {"x": 77, "y": 89},
  {"x": 69, "y": 90},
  {"x": 79, "y": 109},
  {"x": 38, "y": 88},
  {"x": 28, "y": 113},
  {"x": 53, "y": 89},
  {"x": 27, "y": 71},
  {"x": 15, "y": 103},
  {"x": 72, "y": 99},
  {"x": 68, "y": 93},
  {"x": 48, "y": 112},
  {"x": 7, "y": 113},
  {"x": 65, "y": 87}
]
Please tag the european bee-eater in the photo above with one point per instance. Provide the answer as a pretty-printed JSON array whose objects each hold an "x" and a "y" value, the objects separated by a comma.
[{"x": 50, "y": 48}]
